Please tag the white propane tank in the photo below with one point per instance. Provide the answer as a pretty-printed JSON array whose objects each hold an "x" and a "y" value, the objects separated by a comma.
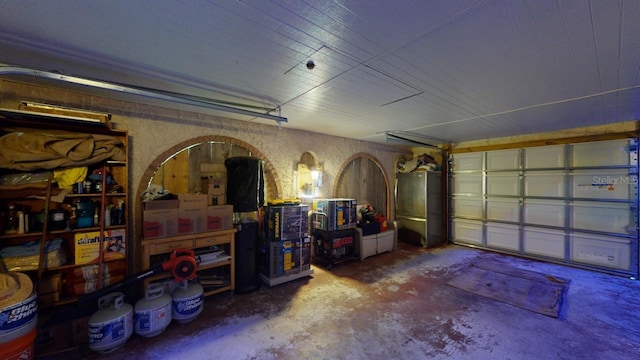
[
  {"x": 188, "y": 301},
  {"x": 112, "y": 325},
  {"x": 153, "y": 312}
]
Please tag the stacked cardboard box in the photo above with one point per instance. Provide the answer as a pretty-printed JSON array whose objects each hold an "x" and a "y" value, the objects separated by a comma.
[
  {"x": 286, "y": 245},
  {"x": 189, "y": 214},
  {"x": 216, "y": 189},
  {"x": 219, "y": 217},
  {"x": 287, "y": 222},
  {"x": 192, "y": 213},
  {"x": 160, "y": 218},
  {"x": 334, "y": 214},
  {"x": 282, "y": 258}
]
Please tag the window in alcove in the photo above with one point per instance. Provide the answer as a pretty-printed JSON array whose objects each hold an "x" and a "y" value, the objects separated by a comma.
[
  {"x": 186, "y": 170},
  {"x": 309, "y": 176},
  {"x": 363, "y": 179}
]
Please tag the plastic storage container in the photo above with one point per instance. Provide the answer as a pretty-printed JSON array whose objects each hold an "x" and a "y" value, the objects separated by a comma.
[{"x": 18, "y": 322}]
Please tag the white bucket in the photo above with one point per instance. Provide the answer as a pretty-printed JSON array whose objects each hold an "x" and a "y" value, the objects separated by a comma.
[{"x": 18, "y": 322}]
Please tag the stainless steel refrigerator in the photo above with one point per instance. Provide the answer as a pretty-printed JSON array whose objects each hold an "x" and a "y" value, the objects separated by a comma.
[{"x": 419, "y": 207}]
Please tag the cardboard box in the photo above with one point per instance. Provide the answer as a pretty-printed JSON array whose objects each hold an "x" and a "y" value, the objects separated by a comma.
[
  {"x": 192, "y": 213},
  {"x": 217, "y": 186},
  {"x": 217, "y": 200},
  {"x": 214, "y": 186},
  {"x": 285, "y": 257},
  {"x": 220, "y": 217},
  {"x": 335, "y": 244},
  {"x": 287, "y": 222},
  {"x": 87, "y": 246},
  {"x": 334, "y": 214},
  {"x": 160, "y": 218}
]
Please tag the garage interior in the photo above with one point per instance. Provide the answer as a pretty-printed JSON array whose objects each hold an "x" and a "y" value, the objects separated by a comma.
[{"x": 526, "y": 111}]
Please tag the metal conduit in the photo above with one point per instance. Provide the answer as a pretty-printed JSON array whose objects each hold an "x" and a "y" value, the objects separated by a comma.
[{"x": 148, "y": 93}]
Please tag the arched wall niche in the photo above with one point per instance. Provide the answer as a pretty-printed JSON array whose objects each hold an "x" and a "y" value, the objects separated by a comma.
[
  {"x": 182, "y": 167},
  {"x": 309, "y": 175},
  {"x": 363, "y": 177}
]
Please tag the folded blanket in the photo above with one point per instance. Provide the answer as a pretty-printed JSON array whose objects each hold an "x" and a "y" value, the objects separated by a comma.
[
  {"x": 26, "y": 256},
  {"x": 30, "y": 248},
  {"x": 27, "y": 263}
]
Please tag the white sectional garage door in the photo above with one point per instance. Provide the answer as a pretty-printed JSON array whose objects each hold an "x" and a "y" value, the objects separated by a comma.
[{"x": 572, "y": 203}]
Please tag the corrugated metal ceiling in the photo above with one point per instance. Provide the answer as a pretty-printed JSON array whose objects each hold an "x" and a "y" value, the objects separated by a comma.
[{"x": 441, "y": 71}]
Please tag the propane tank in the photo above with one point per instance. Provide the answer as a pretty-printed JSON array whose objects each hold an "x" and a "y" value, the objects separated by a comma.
[
  {"x": 112, "y": 325},
  {"x": 153, "y": 313},
  {"x": 188, "y": 301}
]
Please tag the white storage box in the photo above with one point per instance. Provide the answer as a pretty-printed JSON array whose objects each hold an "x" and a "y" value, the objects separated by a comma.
[
  {"x": 546, "y": 242},
  {"x": 544, "y": 183},
  {"x": 602, "y": 184},
  {"x": 544, "y": 157},
  {"x": 470, "y": 161},
  {"x": 467, "y": 206},
  {"x": 601, "y": 250},
  {"x": 503, "y": 159},
  {"x": 502, "y": 183},
  {"x": 504, "y": 236},
  {"x": 467, "y": 231},
  {"x": 467, "y": 184},
  {"x": 374, "y": 244},
  {"x": 503, "y": 209},
  {"x": 544, "y": 212},
  {"x": 386, "y": 240},
  {"x": 367, "y": 246},
  {"x": 601, "y": 153},
  {"x": 607, "y": 217}
]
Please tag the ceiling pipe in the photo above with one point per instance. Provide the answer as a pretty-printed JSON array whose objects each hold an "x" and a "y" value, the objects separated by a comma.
[{"x": 148, "y": 93}]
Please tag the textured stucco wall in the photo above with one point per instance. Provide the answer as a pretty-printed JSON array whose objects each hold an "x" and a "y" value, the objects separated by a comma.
[{"x": 153, "y": 130}]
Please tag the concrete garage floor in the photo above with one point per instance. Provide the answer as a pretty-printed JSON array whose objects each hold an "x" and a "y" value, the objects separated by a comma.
[{"x": 397, "y": 306}]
